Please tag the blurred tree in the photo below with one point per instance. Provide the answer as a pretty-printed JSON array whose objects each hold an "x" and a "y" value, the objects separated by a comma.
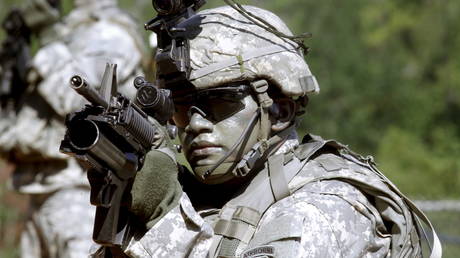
[
  {"x": 389, "y": 84},
  {"x": 422, "y": 38}
]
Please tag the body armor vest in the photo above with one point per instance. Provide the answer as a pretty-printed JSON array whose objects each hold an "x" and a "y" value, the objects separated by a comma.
[{"x": 239, "y": 218}]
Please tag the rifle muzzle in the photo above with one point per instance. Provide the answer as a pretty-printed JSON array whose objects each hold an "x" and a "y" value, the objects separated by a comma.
[
  {"x": 85, "y": 135},
  {"x": 82, "y": 87}
]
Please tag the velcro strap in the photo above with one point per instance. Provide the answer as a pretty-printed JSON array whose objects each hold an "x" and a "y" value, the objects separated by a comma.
[
  {"x": 278, "y": 181},
  {"x": 247, "y": 215},
  {"x": 265, "y": 102},
  {"x": 234, "y": 229},
  {"x": 261, "y": 88},
  {"x": 309, "y": 84}
]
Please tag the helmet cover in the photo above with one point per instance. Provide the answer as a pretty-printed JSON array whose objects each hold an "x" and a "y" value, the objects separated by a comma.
[{"x": 226, "y": 47}]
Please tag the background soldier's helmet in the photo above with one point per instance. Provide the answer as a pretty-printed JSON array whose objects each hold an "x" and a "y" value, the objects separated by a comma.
[
  {"x": 80, "y": 3},
  {"x": 40, "y": 13},
  {"x": 229, "y": 47}
]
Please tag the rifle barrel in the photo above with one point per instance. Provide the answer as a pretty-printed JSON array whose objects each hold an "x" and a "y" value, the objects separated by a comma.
[{"x": 83, "y": 88}]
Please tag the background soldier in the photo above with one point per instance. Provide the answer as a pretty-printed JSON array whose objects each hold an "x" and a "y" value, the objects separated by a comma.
[
  {"x": 254, "y": 190},
  {"x": 93, "y": 33}
]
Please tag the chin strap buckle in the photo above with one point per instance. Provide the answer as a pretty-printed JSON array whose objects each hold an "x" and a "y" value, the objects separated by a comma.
[
  {"x": 246, "y": 164},
  {"x": 264, "y": 147},
  {"x": 260, "y": 87}
]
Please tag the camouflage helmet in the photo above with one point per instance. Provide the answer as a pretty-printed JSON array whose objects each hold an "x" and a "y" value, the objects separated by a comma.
[
  {"x": 229, "y": 47},
  {"x": 39, "y": 14},
  {"x": 91, "y": 3}
]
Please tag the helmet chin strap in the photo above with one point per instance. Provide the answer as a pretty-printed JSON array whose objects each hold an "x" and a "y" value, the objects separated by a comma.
[
  {"x": 244, "y": 135},
  {"x": 259, "y": 150},
  {"x": 262, "y": 148}
]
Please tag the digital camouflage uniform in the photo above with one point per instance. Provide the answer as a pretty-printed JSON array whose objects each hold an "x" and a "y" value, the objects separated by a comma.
[
  {"x": 314, "y": 199},
  {"x": 329, "y": 212},
  {"x": 93, "y": 33}
]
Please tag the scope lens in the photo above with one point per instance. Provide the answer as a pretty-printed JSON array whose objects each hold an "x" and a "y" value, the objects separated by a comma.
[
  {"x": 147, "y": 96},
  {"x": 164, "y": 6}
]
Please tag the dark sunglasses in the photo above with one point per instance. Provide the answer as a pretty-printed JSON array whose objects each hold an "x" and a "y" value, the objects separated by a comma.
[{"x": 217, "y": 104}]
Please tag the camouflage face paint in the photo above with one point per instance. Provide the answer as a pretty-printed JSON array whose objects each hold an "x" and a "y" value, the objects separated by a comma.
[{"x": 205, "y": 142}]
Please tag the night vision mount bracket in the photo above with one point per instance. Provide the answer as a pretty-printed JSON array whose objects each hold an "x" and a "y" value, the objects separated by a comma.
[{"x": 173, "y": 52}]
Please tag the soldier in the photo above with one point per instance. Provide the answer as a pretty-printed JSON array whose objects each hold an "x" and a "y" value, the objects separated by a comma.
[
  {"x": 93, "y": 33},
  {"x": 254, "y": 189}
]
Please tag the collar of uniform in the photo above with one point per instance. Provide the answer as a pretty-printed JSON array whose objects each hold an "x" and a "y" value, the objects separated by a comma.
[
  {"x": 290, "y": 144},
  {"x": 189, "y": 212}
]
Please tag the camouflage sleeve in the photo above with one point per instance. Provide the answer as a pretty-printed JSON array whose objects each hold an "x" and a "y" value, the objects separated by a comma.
[
  {"x": 85, "y": 52},
  {"x": 317, "y": 223},
  {"x": 180, "y": 233}
]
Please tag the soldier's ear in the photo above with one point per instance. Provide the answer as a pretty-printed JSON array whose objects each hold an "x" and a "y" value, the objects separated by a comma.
[{"x": 282, "y": 113}]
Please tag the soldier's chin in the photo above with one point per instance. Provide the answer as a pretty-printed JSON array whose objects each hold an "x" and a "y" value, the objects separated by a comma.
[{"x": 221, "y": 174}]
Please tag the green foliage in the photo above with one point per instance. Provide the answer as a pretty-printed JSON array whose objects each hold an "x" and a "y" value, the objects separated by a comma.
[
  {"x": 422, "y": 140},
  {"x": 388, "y": 72},
  {"x": 419, "y": 170}
]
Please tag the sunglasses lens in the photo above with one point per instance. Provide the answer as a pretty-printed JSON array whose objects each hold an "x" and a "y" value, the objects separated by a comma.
[
  {"x": 181, "y": 117},
  {"x": 216, "y": 104},
  {"x": 220, "y": 109}
]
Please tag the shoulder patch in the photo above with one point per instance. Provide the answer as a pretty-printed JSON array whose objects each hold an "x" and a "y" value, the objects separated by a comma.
[
  {"x": 260, "y": 251},
  {"x": 331, "y": 162}
]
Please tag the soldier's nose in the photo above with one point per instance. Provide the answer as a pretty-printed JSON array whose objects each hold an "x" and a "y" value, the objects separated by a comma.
[{"x": 198, "y": 122}]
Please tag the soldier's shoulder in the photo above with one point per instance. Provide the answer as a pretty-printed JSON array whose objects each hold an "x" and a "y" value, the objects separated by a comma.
[
  {"x": 331, "y": 208},
  {"x": 329, "y": 167},
  {"x": 329, "y": 158},
  {"x": 333, "y": 166}
]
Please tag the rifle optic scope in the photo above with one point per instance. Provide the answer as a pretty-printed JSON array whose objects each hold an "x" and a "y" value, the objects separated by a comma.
[{"x": 153, "y": 101}]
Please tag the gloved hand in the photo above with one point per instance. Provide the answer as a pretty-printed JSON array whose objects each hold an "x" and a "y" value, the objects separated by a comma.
[{"x": 156, "y": 189}]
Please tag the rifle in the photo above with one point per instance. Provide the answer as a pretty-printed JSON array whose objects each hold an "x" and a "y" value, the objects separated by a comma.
[
  {"x": 14, "y": 59},
  {"x": 111, "y": 137}
]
